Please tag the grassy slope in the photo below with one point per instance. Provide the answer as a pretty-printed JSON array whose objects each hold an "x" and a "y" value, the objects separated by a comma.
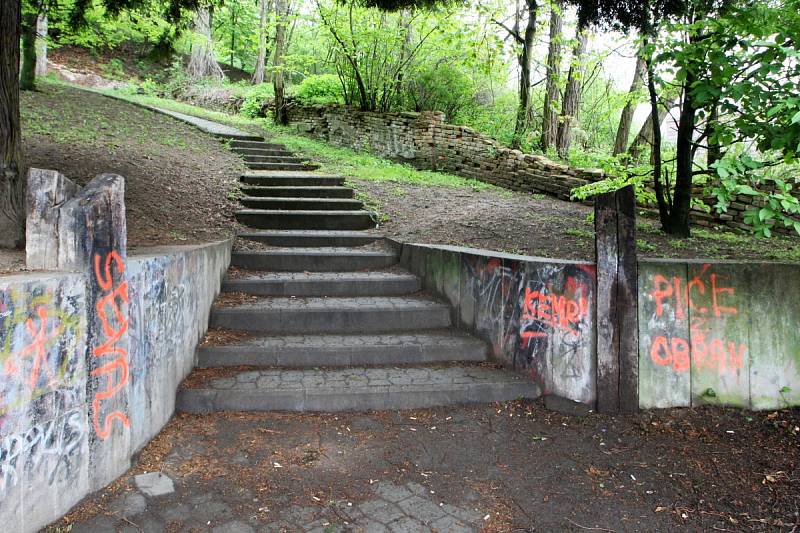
[{"x": 169, "y": 166}]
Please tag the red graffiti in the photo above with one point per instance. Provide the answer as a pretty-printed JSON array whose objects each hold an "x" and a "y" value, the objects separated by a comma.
[
  {"x": 671, "y": 291},
  {"x": 556, "y": 311},
  {"x": 114, "y": 324},
  {"x": 36, "y": 349},
  {"x": 700, "y": 352}
]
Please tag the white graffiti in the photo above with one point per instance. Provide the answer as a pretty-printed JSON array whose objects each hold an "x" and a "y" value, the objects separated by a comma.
[{"x": 52, "y": 447}]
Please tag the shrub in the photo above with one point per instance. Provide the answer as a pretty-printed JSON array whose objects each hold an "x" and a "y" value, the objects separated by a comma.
[
  {"x": 320, "y": 89},
  {"x": 254, "y": 103}
]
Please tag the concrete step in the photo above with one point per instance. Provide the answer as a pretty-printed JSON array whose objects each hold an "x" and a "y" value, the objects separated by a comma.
[
  {"x": 273, "y": 159},
  {"x": 333, "y": 315},
  {"x": 306, "y": 204},
  {"x": 297, "y": 179},
  {"x": 234, "y": 138},
  {"x": 335, "y": 220},
  {"x": 356, "y": 389},
  {"x": 324, "y": 284},
  {"x": 306, "y": 238},
  {"x": 259, "y": 144},
  {"x": 303, "y": 351},
  {"x": 263, "y": 152},
  {"x": 314, "y": 259},
  {"x": 298, "y": 192},
  {"x": 282, "y": 166}
]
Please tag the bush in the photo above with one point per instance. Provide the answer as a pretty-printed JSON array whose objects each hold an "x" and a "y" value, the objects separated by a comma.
[
  {"x": 322, "y": 89},
  {"x": 254, "y": 103}
]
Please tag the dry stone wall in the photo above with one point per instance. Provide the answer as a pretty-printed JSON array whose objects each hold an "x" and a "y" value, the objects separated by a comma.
[{"x": 426, "y": 141}]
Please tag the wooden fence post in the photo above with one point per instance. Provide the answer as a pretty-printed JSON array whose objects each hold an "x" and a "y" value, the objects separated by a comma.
[{"x": 617, "y": 295}]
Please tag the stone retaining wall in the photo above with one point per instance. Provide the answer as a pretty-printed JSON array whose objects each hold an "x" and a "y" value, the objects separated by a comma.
[{"x": 425, "y": 141}]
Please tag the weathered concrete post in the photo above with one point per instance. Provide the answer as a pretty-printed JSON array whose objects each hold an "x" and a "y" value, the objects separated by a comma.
[
  {"x": 617, "y": 294},
  {"x": 84, "y": 230}
]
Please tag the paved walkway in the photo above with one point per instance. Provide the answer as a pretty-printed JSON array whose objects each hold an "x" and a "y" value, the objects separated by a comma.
[{"x": 212, "y": 128}]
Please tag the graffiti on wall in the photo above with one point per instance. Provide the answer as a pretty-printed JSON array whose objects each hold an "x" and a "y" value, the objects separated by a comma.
[
  {"x": 51, "y": 449},
  {"x": 40, "y": 334},
  {"x": 532, "y": 310},
  {"x": 111, "y": 356},
  {"x": 707, "y": 298}
]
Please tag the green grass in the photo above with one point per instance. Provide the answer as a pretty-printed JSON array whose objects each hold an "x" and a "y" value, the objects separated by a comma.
[{"x": 578, "y": 232}]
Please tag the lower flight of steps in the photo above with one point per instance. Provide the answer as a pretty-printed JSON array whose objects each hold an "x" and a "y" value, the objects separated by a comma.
[{"x": 316, "y": 316}]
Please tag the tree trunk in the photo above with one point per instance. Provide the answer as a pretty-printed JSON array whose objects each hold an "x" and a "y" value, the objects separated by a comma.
[
  {"x": 258, "y": 74},
  {"x": 625, "y": 120},
  {"x": 550, "y": 111},
  {"x": 27, "y": 79},
  {"x": 684, "y": 147},
  {"x": 645, "y": 135},
  {"x": 714, "y": 152},
  {"x": 41, "y": 45},
  {"x": 525, "y": 57},
  {"x": 12, "y": 188},
  {"x": 655, "y": 133},
  {"x": 203, "y": 63},
  {"x": 572, "y": 95},
  {"x": 281, "y": 12}
]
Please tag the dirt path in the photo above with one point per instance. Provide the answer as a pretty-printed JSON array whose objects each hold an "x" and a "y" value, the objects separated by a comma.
[{"x": 507, "y": 467}]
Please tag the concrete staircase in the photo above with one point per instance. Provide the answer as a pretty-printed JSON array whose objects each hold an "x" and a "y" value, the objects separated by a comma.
[{"x": 325, "y": 319}]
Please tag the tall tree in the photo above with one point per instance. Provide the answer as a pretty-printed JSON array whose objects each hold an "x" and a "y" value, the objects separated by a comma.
[
  {"x": 282, "y": 8},
  {"x": 41, "y": 44},
  {"x": 203, "y": 62},
  {"x": 626, "y": 118},
  {"x": 525, "y": 41},
  {"x": 645, "y": 136},
  {"x": 261, "y": 56},
  {"x": 551, "y": 95},
  {"x": 27, "y": 81},
  {"x": 12, "y": 199},
  {"x": 572, "y": 93}
]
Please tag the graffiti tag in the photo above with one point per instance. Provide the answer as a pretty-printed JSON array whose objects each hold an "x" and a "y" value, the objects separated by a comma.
[
  {"x": 114, "y": 325},
  {"x": 702, "y": 349}
]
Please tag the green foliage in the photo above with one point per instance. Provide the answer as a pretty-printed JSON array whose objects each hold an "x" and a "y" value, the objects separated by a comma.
[
  {"x": 320, "y": 89},
  {"x": 254, "y": 103}
]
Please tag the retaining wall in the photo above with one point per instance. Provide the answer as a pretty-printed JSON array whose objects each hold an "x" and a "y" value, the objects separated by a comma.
[
  {"x": 719, "y": 333},
  {"x": 723, "y": 333},
  {"x": 426, "y": 141},
  {"x": 536, "y": 314},
  {"x": 67, "y": 430}
]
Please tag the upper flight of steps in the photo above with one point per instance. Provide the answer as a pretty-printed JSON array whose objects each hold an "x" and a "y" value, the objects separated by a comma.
[
  {"x": 281, "y": 192},
  {"x": 318, "y": 317}
]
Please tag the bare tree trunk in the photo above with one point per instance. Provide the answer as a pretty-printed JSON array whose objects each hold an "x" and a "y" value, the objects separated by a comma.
[
  {"x": 625, "y": 120},
  {"x": 645, "y": 135},
  {"x": 41, "y": 45},
  {"x": 12, "y": 188},
  {"x": 684, "y": 161},
  {"x": 27, "y": 79},
  {"x": 203, "y": 63},
  {"x": 550, "y": 111},
  {"x": 281, "y": 12},
  {"x": 261, "y": 58},
  {"x": 572, "y": 95},
  {"x": 714, "y": 152},
  {"x": 525, "y": 57}
]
